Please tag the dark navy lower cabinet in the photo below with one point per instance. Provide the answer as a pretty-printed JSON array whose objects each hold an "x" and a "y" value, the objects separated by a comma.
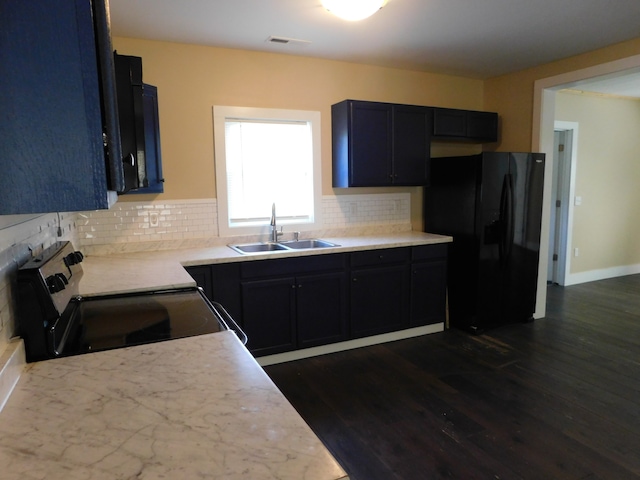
[
  {"x": 301, "y": 302},
  {"x": 428, "y": 285},
  {"x": 380, "y": 291},
  {"x": 321, "y": 308},
  {"x": 268, "y": 315}
]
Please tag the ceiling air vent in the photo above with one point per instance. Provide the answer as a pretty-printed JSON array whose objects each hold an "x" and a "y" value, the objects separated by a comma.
[{"x": 287, "y": 41}]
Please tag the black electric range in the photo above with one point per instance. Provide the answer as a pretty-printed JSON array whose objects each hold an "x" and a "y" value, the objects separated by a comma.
[{"x": 54, "y": 320}]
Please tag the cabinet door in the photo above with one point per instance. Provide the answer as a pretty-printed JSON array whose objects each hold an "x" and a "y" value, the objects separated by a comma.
[
  {"x": 202, "y": 276},
  {"x": 428, "y": 292},
  {"x": 321, "y": 307},
  {"x": 482, "y": 126},
  {"x": 268, "y": 315},
  {"x": 448, "y": 122},
  {"x": 152, "y": 151},
  {"x": 225, "y": 278},
  {"x": 465, "y": 125},
  {"x": 53, "y": 157},
  {"x": 360, "y": 144},
  {"x": 379, "y": 300},
  {"x": 370, "y": 148},
  {"x": 412, "y": 127}
]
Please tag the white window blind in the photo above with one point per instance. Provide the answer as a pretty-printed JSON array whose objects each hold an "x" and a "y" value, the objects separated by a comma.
[
  {"x": 266, "y": 156},
  {"x": 269, "y": 162}
]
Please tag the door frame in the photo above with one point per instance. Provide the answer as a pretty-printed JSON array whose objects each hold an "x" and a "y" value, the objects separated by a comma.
[
  {"x": 544, "y": 99},
  {"x": 565, "y": 193}
]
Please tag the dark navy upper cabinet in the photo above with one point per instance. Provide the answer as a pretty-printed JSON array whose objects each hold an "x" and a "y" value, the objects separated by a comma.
[
  {"x": 465, "y": 125},
  {"x": 380, "y": 144},
  {"x": 153, "y": 157},
  {"x": 60, "y": 146},
  {"x": 361, "y": 133},
  {"x": 411, "y": 144}
]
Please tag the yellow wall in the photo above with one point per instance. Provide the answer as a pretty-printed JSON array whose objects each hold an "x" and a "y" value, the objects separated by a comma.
[
  {"x": 191, "y": 79},
  {"x": 512, "y": 95},
  {"x": 606, "y": 226}
]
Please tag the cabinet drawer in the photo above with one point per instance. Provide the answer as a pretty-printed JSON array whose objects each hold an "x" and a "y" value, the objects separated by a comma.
[
  {"x": 380, "y": 257},
  {"x": 427, "y": 252},
  {"x": 293, "y": 266},
  {"x": 270, "y": 268}
]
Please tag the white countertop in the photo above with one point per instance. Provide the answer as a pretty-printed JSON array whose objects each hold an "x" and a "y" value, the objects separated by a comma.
[
  {"x": 197, "y": 407},
  {"x": 152, "y": 270}
]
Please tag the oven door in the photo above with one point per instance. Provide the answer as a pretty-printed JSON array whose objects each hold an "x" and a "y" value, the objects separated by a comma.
[{"x": 103, "y": 323}]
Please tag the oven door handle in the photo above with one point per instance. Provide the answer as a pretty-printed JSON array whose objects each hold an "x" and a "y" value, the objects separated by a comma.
[{"x": 230, "y": 322}]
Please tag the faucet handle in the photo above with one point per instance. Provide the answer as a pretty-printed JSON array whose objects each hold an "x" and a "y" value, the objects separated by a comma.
[{"x": 296, "y": 236}]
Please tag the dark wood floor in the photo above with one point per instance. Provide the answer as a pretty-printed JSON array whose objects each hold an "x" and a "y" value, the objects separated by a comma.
[{"x": 555, "y": 399}]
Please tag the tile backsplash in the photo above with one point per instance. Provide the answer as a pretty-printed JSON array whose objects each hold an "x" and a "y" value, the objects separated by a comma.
[
  {"x": 21, "y": 237},
  {"x": 131, "y": 226}
]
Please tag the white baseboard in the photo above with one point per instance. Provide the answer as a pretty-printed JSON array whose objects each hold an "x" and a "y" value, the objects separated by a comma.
[
  {"x": 601, "y": 274},
  {"x": 349, "y": 345}
]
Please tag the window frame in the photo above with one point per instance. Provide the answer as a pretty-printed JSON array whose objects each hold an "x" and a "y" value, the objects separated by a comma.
[{"x": 220, "y": 115}]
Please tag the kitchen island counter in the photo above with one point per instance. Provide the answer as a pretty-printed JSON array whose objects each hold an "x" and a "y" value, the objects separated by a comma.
[{"x": 197, "y": 407}]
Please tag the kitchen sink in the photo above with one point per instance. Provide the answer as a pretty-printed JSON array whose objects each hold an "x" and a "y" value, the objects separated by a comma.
[
  {"x": 258, "y": 247},
  {"x": 304, "y": 244},
  {"x": 266, "y": 247}
]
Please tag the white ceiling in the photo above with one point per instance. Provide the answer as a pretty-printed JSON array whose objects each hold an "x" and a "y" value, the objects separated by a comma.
[{"x": 472, "y": 38}]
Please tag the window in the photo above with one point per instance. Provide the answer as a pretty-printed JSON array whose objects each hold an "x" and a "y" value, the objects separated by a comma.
[{"x": 266, "y": 156}]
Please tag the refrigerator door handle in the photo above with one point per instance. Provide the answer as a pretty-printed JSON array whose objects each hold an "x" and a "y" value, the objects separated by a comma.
[
  {"x": 504, "y": 199},
  {"x": 509, "y": 230}
]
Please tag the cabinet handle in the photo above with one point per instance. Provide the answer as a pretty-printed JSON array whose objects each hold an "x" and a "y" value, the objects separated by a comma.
[
  {"x": 300, "y": 285},
  {"x": 381, "y": 257},
  {"x": 355, "y": 279}
]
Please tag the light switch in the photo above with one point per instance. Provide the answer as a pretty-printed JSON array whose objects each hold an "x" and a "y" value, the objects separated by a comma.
[{"x": 577, "y": 201}]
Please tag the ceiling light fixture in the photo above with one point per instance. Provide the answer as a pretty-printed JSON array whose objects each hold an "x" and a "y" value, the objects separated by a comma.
[{"x": 353, "y": 10}]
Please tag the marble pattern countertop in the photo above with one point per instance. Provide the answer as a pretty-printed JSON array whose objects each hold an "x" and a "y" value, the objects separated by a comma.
[
  {"x": 121, "y": 272},
  {"x": 197, "y": 407}
]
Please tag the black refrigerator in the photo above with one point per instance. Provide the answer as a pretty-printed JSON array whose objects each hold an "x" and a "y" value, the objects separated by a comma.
[{"x": 491, "y": 204}]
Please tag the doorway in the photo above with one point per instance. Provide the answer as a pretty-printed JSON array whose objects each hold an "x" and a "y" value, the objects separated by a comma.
[
  {"x": 542, "y": 141},
  {"x": 562, "y": 190}
]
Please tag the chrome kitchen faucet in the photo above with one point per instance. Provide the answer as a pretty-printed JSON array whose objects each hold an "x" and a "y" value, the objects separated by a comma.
[{"x": 274, "y": 228}]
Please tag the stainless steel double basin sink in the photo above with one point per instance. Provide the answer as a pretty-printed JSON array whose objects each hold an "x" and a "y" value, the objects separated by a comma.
[{"x": 266, "y": 247}]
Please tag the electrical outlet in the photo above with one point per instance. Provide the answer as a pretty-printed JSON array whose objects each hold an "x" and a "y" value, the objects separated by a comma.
[{"x": 153, "y": 219}]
